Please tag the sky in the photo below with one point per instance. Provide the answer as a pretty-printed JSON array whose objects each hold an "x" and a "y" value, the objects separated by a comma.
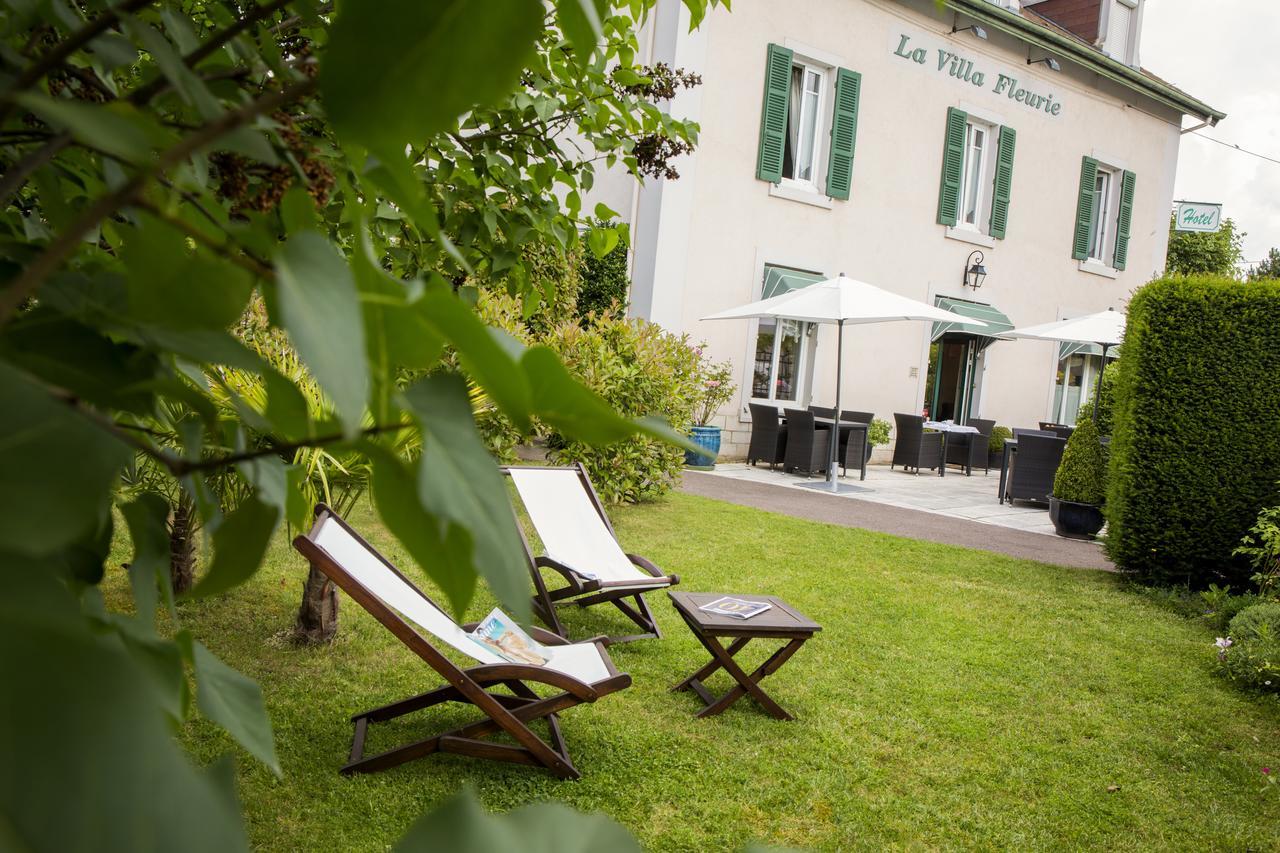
[{"x": 1224, "y": 53}]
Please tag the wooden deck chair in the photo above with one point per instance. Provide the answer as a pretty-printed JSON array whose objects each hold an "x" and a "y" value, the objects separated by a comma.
[
  {"x": 580, "y": 544},
  {"x": 581, "y": 672}
]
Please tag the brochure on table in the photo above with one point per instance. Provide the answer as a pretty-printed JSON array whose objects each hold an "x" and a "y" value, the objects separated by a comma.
[{"x": 738, "y": 608}]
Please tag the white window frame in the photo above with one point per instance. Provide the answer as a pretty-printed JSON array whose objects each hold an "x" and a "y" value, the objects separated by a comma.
[
  {"x": 802, "y": 364},
  {"x": 986, "y": 177},
  {"x": 821, "y": 125},
  {"x": 1102, "y": 240},
  {"x": 1123, "y": 52}
]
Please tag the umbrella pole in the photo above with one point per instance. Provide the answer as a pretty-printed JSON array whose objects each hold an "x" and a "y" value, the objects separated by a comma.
[
  {"x": 1097, "y": 391},
  {"x": 835, "y": 430}
]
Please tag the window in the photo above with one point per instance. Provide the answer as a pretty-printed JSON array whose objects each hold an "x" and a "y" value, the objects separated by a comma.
[
  {"x": 779, "y": 360},
  {"x": 801, "y": 156},
  {"x": 1104, "y": 209},
  {"x": 808, "y": 126},
  {"x": 1119, "y": 40},
  {"x": 977, "y": 175},
  {"x": 1098, "y": 243}
]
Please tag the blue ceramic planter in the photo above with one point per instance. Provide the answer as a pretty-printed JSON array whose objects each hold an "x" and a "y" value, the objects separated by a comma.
[{"x": 708, "y": 438}]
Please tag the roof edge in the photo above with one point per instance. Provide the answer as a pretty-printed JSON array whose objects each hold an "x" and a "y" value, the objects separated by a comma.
[{"x": 1016, "y": 25}]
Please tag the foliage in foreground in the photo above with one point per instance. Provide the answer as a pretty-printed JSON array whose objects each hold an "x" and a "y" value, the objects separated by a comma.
[
  {"x": 1250, "y": 653},
  {"x": 165, "y": 165},
  {"x": 1196, "y": 442}
]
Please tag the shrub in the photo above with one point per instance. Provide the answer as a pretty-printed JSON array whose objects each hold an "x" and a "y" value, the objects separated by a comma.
[
  {"x": 1250, "y": 654},
  {"x": 604, "y": 283},
  {"x": 995, "y": 444},
  {"x": 878, "y": 432},
  {"x": 1221, "y": 606},
  {"x": 1081, "y": 476},
  {"x": 1196, "y": 442},
  {"x": 640, "y": 369},
  {"x": 1261, "y": 546}
]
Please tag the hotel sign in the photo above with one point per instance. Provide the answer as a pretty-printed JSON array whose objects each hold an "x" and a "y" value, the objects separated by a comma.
[
  {"x": 949, "y": 62},
  {"x": 1198, "y": 216}
]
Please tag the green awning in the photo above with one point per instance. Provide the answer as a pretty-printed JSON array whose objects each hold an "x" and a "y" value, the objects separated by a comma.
[
  {"x": 1068, "y": 349},
  {"x": 779, "y": 280},
  {"x": 995, "y": 320}
]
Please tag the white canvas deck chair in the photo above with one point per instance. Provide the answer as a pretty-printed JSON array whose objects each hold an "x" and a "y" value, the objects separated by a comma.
[
  {"x": 580, "y": 672},
  {"x": 579, "y": 543}
]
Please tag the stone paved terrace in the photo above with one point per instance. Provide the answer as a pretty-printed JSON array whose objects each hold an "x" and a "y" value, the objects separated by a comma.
[{"x": 955, "y": 509}]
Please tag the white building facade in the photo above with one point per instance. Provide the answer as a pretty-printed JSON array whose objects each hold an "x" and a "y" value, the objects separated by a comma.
[{"x": 891, "y": 140}]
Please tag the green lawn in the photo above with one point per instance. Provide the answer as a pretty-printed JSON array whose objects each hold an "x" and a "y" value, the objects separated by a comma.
[{"x": 955, "y": 698}]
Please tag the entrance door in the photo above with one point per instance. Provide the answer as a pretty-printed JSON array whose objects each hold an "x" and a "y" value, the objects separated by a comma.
[
  {"x": 949, "y": 387},
  {"x": 1077, "y": 374}
]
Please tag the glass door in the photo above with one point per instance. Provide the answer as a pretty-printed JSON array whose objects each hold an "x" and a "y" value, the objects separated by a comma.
[{"x": 950, "y": 382}]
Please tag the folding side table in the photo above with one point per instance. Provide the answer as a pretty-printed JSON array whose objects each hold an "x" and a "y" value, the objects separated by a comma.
[{"x": 780, "y": 621}]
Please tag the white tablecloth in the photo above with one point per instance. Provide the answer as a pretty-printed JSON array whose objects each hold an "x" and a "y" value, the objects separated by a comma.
[{"x": 948, "y": 426}]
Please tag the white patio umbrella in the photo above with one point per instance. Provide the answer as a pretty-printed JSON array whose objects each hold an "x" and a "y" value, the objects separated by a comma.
[
  {"x": 1105, "y": 328},
  {"x": 840, "y": 301}
]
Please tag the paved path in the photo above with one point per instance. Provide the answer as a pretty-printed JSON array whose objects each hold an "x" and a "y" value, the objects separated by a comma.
[{"x": 900, "y": 521}]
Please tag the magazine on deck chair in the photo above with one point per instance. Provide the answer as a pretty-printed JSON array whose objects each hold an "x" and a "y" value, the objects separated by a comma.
[{"x": 500, "y": 634}]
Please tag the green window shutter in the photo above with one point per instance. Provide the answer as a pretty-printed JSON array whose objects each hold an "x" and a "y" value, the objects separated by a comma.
[
  {"x": 1003, "y": 183},
  {"x": 952, "y": 167},
  {"x": 1126, "y": 214},
  {"x": 773, "y": 116},
  {"x": 844, "y": 133},
  {"x": 1086, "y": 207}
]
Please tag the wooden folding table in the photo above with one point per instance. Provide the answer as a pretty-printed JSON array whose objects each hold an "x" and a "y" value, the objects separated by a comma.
[{"x": 780, "y": 621}]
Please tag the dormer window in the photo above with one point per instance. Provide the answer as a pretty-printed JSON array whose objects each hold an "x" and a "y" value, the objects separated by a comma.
[{"x": 1120, "y": 27}]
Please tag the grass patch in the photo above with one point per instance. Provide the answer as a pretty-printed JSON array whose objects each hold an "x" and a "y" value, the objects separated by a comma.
[{"x": 955, "y": 698}]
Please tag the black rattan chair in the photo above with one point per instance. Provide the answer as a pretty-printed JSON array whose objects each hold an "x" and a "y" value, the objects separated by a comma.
[
  {"x": 1019, "y": 432},
  {"x": 768, "y": 436},
  {"x": 807, "y": 446},
  {"x": 857, "y": 417},
  {"x": 1033, "y": 466},
  {"x": 915, "y": 448},
  {"x": 968, "y": 450},
  {"x": 822, "y": 412}
]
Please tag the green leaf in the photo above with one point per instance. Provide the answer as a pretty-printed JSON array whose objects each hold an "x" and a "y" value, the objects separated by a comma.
[
  {"x": 603, "y": 211},
  {"x": 149, "y": 569},
  {"x": 461, "y": 825},
  {"x": 239, "y": 544},
  {"x": 56, "y": 468},
  {"x": 400, "y": 71},
  {"x": 234, "y": 702},
  {"x": 175, "y": 287},
  {"x": 319, "y": 304},
  {"x": 459, "y": 481},
  {"x": 602, "y": 241},
  {"x": 441, "y": 550},
  {"x": 161, "y": 661},
  {"x": 578, "y": 412},
  {"x": 485, "y": 357},
  {"x": 579, "y": 20},
  {"x": 117, "y": 128},
  {"x": 97, "y": 737}
]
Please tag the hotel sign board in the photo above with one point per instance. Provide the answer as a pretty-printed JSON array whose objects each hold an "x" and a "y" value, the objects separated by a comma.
[{"x": 1198, "y": 216}]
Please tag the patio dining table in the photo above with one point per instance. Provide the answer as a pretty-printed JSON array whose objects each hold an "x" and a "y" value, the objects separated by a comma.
[
  {"x": 846, "y": 427},
  {"x": 960, "y": 433}
]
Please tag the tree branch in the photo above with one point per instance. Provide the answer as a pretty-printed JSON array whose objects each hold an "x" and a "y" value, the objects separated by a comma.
[{"x": 29, "y": 280}]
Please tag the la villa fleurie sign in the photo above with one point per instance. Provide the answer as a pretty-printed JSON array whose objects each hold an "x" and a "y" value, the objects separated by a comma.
[
  {"x": 947, "y": 61},
  {"x": 1198, "y": 216}
]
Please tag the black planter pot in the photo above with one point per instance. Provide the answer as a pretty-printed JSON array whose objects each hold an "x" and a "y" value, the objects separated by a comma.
[
  {"x": 1075, "y": 520},
  {"x": 995, "y": 460}
]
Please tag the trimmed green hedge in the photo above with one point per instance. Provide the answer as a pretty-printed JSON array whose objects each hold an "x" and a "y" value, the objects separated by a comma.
[{"x": 1196, "y": 448}]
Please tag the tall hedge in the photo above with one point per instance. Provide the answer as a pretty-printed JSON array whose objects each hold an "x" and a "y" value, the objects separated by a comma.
[{"x": 1196, "y": 444}]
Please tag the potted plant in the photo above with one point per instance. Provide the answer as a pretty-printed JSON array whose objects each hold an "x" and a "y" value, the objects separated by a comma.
[
  {"x": 877, "y": 434},
  {"x": 995, "y": 446},
  {"x": 1079, "y": 488},
  {"x": 717, "y": 389}
]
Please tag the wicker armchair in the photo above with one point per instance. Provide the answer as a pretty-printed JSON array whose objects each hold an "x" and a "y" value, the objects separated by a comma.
[
  {"x": 915, "y": 448},
  {"x": 768, "y": 436},
  {"x": 971, "y": 450},
  {"x": 822, "y": 412},
  {"x": 857, "y": 417},
  {"x": 1033, "y": 466},
  {"x": 807, "y": 446}
]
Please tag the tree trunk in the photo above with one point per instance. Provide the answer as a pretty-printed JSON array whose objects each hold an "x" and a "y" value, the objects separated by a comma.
[
  {"x": 182, "y": 545},
  {"x": 318, "y": 616}
]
